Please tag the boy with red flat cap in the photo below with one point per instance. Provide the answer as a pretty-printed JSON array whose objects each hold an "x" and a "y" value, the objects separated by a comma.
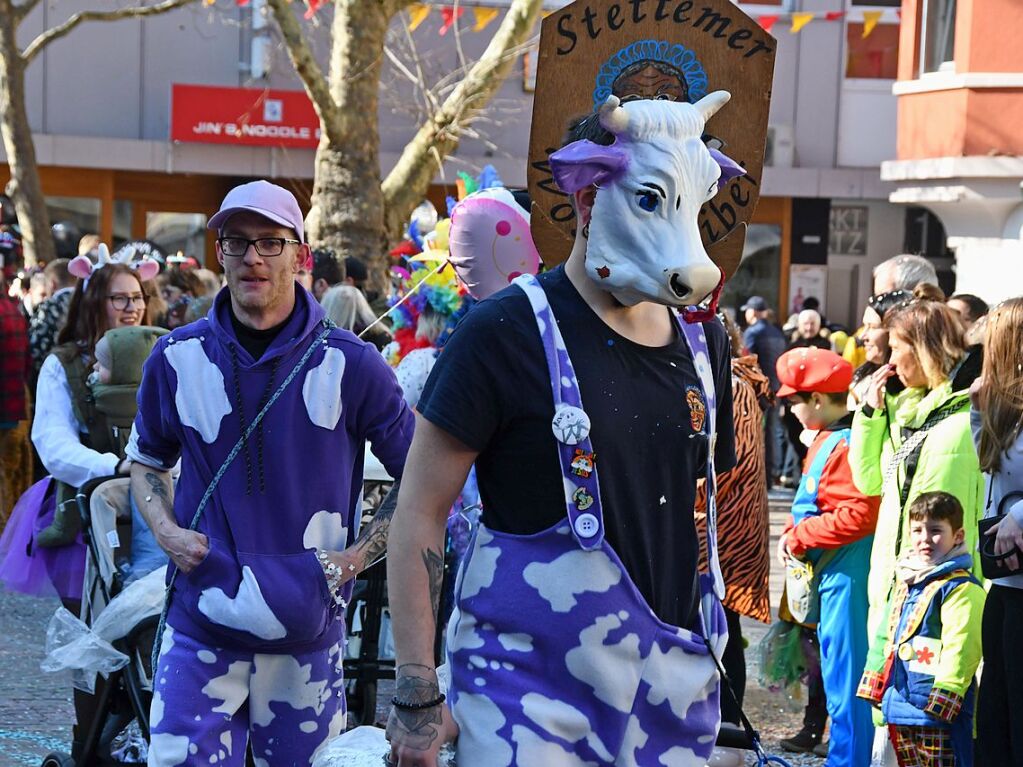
[{"x": 832, "y": 527}]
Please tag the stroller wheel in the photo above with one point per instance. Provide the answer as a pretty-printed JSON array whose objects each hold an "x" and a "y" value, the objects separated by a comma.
[{"x": 58, "y": 759}]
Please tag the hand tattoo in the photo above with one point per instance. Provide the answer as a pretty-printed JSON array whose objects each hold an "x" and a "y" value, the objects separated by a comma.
[
  {"x": 434, "y": 563},
  {"x": 418, "y": 684}
]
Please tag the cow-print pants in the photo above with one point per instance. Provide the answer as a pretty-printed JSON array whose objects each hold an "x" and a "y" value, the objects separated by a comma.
[{"x": 209, "y": 702}]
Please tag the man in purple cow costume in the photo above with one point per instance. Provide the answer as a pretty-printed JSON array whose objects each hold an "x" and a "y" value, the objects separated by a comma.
[{"x": 590, "y": 399}]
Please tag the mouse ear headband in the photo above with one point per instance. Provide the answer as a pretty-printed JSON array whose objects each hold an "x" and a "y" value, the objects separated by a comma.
[{"x": 83, "y": 267}]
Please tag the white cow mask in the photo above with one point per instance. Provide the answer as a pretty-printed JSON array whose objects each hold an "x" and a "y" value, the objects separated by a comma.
[{"x": 644, "y": 240}]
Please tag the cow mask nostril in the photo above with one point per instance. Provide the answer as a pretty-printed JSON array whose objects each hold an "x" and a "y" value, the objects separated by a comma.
[{"x": 679, "y": 288}]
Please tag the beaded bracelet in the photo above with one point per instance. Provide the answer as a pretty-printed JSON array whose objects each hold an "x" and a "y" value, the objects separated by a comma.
[
  {"x": 335, "y": 578},
  {"x": 405, "y": 706}
]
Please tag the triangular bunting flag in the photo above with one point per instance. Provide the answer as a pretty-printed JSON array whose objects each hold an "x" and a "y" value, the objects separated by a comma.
[
  {"x": 450, "y": 16},
  {"x": 417, "y": 15},
  {"x": 767, "y": 22},
  {"x": 208, "y": 2},
  {"x": 242, "y": 3},
  {"x": 800, "y": 20},
  {"x": 833, "y": 15},
  {"x": 483, "y": 17},
  {"x": 870, "y": 19}
]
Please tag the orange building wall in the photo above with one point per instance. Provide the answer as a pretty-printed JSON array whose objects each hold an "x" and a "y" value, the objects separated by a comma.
[
  {"x": 987, "y": 35},
  {"x": 958, "y": 123}
]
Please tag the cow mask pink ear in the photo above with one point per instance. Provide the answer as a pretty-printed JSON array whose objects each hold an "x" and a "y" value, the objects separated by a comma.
[
  {"x": 81, "y": 267},
  {"x": 582, "y": 164},
  {"x": 146, "y": 270}
]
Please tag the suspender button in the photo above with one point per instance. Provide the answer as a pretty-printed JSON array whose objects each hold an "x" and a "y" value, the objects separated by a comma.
[{"x": 586, "y": 525}]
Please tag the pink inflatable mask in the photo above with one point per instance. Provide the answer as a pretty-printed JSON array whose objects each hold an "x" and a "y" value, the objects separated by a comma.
[{"x": 489, "y": 242}]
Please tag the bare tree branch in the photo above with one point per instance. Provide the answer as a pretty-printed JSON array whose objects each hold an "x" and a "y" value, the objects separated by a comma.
[
  {"x": 308, "y": 70},
  {"x": 407, "y": 182},
  {"x": 59, "y": 31},
  {"x": 23, "y": 10}
]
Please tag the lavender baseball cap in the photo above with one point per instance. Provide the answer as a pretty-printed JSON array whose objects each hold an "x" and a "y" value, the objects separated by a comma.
[{"x": 268, "y": 200}]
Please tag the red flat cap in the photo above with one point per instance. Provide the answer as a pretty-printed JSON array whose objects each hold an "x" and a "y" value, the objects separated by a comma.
[{"x": 812, "y": 369}]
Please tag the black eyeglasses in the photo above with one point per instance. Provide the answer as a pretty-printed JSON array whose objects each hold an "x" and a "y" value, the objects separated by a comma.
[
  {"x": 267, "y": 247},
  {"x": 122, "y": 301}
]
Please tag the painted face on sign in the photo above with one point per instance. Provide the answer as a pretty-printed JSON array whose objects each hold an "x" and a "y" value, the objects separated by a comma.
[{"x": 645, "y": 80}]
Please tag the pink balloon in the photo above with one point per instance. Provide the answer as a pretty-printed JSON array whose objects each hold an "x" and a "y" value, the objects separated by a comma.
[{"x": 489, "y": 242}]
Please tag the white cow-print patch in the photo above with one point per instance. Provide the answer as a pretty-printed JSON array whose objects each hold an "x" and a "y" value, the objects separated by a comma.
[
  {"x": 484, "y": 565},
  {"x": 532, "y": 749},
  {"x": 679, "y": 756},
  {"x": 516, "y": 642},
  {"x": 479, "y": 720},
  {"x": 247, "y": 611},
  {"x": 322, "y": 389},
  {"x": 168, "y": 750},
  {"x": 612, "y": 670},
  {"x": 200, "y": 398},
  {"x": 679, "y": 678},
  {"x": 231, "y": 688},
  {"x": 326, "y": 530},
  {"x": 635, "y": 738},
  {"x": 563, "y": 721},
  {"x": 281, "y": 679},
  {"x": 464, "y": 635},
  {"x": 572, "y": 573}
]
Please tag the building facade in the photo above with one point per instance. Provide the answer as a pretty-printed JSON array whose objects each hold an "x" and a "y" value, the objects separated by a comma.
[
  {"x": 125, "y": 155},
  {"x": 960, "y": 149}
]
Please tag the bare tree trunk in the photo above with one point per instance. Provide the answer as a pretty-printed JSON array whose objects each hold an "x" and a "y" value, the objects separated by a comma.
[
  {"x": 347, "y": 207},
  {"x": 407, "y": 183},
  {"x": 26, "y": 189}
]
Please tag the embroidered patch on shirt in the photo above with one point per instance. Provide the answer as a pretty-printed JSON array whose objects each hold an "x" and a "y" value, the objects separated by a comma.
[
  {"x": 926, "y": 652},
  {"x": 697, "y": 408}
]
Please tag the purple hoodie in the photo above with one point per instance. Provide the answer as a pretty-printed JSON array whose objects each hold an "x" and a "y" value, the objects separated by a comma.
[{"x": 295, "y": 487}]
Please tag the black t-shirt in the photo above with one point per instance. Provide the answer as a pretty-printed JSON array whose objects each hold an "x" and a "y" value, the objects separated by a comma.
[
  {"x": 491, "y": 390},
  {"x": 255, "y": 342}
]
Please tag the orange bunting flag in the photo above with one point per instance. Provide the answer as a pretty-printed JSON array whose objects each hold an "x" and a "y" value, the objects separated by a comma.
[
  {"x": 767, "y": 22},
  {"x": 483, "y": 17},
  {"x": 800, "y": 20},
  {"x": 870, "y": 19},
  {"x": 450, "y": 16},
  {"x": 208, "y": 3},
  {"x": 417, "y": 15}
]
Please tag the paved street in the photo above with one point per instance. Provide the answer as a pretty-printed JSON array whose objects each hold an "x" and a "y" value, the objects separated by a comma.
[{"x": 35, "y": 708}]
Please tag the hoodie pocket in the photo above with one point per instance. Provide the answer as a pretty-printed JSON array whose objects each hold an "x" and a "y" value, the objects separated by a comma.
[{"x": 273, "y": 597}]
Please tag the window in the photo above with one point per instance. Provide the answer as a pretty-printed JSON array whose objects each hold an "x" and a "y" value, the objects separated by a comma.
[
  {"x": 83, "y": 212},
  {"x": 937, "y": 35},
  {"x": 875, "y": 57}
]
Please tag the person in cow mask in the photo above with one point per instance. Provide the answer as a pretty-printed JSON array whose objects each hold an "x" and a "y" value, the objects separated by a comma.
[{"x": 590, "y": 406}]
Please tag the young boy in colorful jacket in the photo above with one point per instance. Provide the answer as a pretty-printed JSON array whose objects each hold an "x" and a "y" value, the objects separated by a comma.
[
  {"x": 832, "y": 526},
  {"x": 921, "y": 666}
]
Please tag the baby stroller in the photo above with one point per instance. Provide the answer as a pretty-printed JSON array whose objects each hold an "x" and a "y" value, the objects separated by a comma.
[{"x": 113, "y": 722}]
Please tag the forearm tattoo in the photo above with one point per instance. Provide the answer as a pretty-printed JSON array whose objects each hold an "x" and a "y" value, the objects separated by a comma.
[
  {"x": 372, "y": 542},
  {"x": 416, "y": 683},
  {"x": 434, "y": 563},
  {"x": 158, "y": 486}
]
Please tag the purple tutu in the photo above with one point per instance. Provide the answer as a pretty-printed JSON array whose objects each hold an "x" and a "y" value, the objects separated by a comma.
[{"x": 34, "y": 570}]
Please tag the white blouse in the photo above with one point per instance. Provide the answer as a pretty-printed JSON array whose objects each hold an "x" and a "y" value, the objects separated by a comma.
[{"x": 56, "y": 432}]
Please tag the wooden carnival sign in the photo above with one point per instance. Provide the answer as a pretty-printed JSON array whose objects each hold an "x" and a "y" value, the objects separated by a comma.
[{"x": 677, "y": 49}]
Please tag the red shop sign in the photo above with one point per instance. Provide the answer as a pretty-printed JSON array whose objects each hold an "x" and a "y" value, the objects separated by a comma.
[{"x": 243, "y": 116}]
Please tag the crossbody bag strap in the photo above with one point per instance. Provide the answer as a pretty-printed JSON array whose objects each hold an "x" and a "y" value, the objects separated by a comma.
[{"x": 322, "y": 337}]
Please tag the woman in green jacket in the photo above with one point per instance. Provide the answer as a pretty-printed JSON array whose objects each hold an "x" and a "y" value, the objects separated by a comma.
[{"x": 918, "y": 440}]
